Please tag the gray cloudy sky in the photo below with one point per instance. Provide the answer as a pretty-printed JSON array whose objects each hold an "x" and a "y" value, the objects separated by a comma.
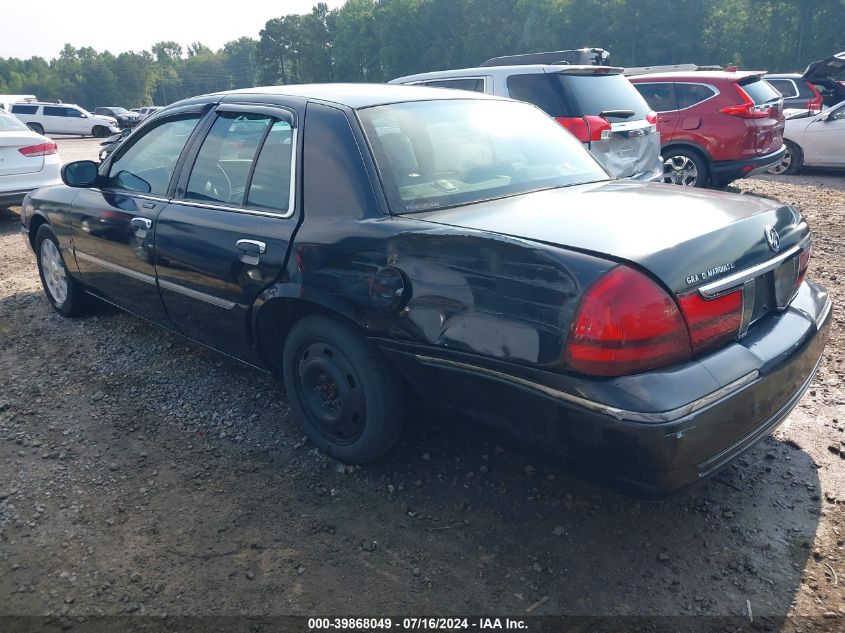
[{"x": 41, "y": 28}]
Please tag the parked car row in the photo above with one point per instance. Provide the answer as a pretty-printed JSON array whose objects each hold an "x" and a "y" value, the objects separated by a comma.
[
  {"x": 367, "y": 240},
  {"x": 46, "y": 117}
]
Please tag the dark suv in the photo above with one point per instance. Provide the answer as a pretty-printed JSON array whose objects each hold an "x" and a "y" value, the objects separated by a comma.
[
  {"x": 821, "y": 86},
  {"x": 715, "y": 126}
]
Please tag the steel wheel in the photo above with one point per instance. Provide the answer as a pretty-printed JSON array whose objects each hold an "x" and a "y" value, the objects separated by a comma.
[
  {"x": 680, "y": 170},
  {"x": 55, "y": 277},
  {"x": 330, "y": 389}
]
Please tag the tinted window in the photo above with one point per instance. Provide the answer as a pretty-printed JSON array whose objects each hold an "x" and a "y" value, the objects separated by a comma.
[
  {"x": 223, "y": 164},
  {"x": 541, "y": 91},
  {"x": 147, "y": 165},
  {"x": 271, "y": 181},
  {"x": 24, "y": 109},
  {"x": 660, "y": 96},
  {"x": 760, "y": 91},
  {"x": 784, "y": 86},
  {"x": 476, "y": 85},
  {"x": 434, "y": 154},
  {"x": 54, "y": 111},
  {"x": 689, "y": 95},
  {"x": 595, "y": 94}
]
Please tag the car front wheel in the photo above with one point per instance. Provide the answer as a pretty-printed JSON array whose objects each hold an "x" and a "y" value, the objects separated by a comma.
[
  {"x": 64, "y": 293},
  {"x": 344, "y": 395},
  {"x": 99, "y": 131},
  {"x": 684, "y": 167}
]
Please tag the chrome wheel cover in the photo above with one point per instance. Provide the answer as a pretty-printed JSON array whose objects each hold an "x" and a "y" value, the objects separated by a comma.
[
  {"x": 784, "y": 163},
  {"x": 53, "y": 271},
  {"x": 680, "y": 170}
]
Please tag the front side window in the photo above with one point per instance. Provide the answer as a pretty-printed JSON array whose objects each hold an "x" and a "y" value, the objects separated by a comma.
[
  {"x": 147, "y": 165},
  {"x": 475, "y": 84},
  {"x": 55, "y": 111},
  {"x": 659, "y": 96},
  {"x": 223, "y": 164},
  {"x": 435, "y": 154},
  {"x": 689, "y": 95}
]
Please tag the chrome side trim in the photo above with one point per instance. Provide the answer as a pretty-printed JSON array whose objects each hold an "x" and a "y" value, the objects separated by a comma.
[
  {"x": 196, "y": 294},
  {"x": 619, "y": 414},
  {"x": 717, "y": 287},
  {"x": 822, "y": 317},
  {"x": 149, "y": 279}
]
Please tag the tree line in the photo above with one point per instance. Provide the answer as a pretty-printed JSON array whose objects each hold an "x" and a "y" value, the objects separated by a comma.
[{"x": 377, "y": 40}]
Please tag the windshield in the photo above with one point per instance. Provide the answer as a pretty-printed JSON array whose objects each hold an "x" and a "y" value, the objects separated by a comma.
[
  {"x": 9, "y": 123},
  {"x": 435, "y": 154}
]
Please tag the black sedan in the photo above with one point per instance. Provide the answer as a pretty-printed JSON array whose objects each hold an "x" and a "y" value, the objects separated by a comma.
[{"x": 363, "y": 240}]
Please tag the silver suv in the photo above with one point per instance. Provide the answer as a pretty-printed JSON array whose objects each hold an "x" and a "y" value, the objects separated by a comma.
[
  {"x": 64, "y": 118},
  {"x": 595, "y": 103}
]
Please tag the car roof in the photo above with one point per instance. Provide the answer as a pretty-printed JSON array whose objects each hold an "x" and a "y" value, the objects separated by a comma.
[
  {"x": 504, "y": 71},
  {"x": 698, "y": 75},
  {"x": 358, "y": 95},
  {"x": 783, "y": 76}
]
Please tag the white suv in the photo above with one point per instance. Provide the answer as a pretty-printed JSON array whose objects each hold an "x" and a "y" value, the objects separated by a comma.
[{"x": 64, "y": 118}]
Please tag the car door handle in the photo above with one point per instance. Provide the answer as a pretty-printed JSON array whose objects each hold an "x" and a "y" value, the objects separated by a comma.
[
  {"x": 142, "y": 223},
  {"x": 251, "y": 247}
]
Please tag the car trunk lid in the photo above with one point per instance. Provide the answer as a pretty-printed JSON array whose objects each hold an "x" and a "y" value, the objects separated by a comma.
[
  {"x": 685, "y": 239},
  {"x": 766, "y": 113},
  {"x": 830, "y": 69},
  {"x": 12, "y": 161}
]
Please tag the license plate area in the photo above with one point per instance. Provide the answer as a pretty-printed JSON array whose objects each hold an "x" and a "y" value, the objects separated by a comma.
[{"x": 775, "y": 289}]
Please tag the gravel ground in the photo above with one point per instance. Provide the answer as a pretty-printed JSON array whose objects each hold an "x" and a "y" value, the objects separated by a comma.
[{"x": 140, "y": 474}]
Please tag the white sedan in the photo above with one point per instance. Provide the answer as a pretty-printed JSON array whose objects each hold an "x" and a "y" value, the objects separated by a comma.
[
  {"x": 27, "y": 160},
  {"x": 816, "y": 140}
]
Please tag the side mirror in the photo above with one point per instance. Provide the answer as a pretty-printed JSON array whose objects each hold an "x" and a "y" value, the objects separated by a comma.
[{"x": 80, "y": 173}]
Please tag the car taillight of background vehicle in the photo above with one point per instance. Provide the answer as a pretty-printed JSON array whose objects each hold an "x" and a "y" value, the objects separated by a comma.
[
  {"x": 748, "y": 109},
  {"x": 626, "y": 324},
  {"x": 44, "y": 149},
  {"x": 587, "y": 128},
  {"x": 817, "y": 102}
]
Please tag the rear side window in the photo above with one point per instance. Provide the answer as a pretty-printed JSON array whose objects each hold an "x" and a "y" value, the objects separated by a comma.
[
  {"x": 759, "y": 91},
  {"x": 540, "y": 90},
  {"x": 24, "y": 109},
  {"x": 689, "y": 95},
  {"x": 270, "y": 187},
  {"x": 147, "y": 165},
  {"x": 785, "y": 87},
  {"x": 473, "y": 84},
  {"x": 659, "y": 96},
  {"x": 595, "y": 94},
  {"x": 54, "y": 111},
  {"x": 222, "y": 168}
]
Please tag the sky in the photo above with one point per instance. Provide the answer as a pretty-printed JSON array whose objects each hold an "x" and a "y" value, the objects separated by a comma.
[{"x": 43, "y": 27}]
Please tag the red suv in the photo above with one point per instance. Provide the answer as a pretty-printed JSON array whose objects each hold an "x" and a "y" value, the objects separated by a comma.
[{"x": 715, "y": 126}]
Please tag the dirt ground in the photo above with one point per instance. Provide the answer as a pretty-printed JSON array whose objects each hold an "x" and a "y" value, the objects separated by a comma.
[{"x": 141, "y": 474}]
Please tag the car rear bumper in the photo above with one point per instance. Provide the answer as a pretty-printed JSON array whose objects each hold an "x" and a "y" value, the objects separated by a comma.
[
  {"x": 726, "y": 171},
  {"x": 658, "y": 431}
]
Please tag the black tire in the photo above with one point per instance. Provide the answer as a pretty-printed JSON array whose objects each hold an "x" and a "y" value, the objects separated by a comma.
[
  {"x": 792, "y": 161},
  {"x": 36, "y": 127},
  {"x": 343, "y": 394},
  {"x": 99, "y": 131},
  {"x": 686, "y": 167},
  {"x": 74, "y": 302}
]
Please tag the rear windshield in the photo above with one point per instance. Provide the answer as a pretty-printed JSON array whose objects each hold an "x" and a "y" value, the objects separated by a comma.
[
  {"x": 760, "y": 91},
  {"x": 436, "y": 154},
  {"x": 9, "y": 123},
  {"x": 598, "y": 93}
]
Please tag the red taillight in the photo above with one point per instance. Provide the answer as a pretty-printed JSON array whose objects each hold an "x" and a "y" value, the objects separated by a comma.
[
  {"x": 747, "y": 109},
  {"x": 626, "y": 324},
  {"x": 44, "y": 149},
  {"x": 712, "y": 322},
  {"x": 816, "y": 103},
  {"x": 651, "y": 117},
  {"x": 587, "y": 128}
]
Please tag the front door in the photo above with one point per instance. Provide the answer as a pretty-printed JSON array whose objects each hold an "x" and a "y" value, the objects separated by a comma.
[
  {"x": 824, "y": 140},
  {"x": 114, "y": 224},
  {"x": 225, "y": 236}
]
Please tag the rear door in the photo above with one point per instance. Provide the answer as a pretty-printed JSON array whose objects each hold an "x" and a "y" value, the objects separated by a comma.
[
  {"x": 660, "y": 96},
  {"x": 225, "y": 237},
  {"x": 114, "y": 224}
]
